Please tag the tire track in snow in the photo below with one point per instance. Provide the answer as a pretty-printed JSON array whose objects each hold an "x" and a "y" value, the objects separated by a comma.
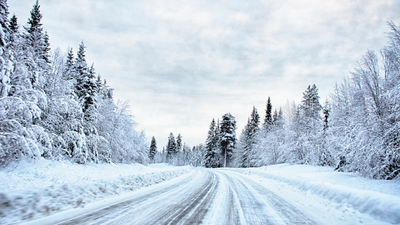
[
  {"x": 185, "y": 202},
  {"x": 202, "y": 197},
  {"x": 261, "y": 206}
]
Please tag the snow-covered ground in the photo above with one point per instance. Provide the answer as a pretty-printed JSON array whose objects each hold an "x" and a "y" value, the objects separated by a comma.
[
  {"x": 33, "y": 190},
  {"x": 29, "y": 191},
  {"x": 379, "y": 199}
]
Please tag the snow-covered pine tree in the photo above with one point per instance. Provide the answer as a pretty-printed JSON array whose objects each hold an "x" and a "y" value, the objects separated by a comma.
[
  {"x": 250, "y": 139},
  {"x": 21, "y": 107},
  {"x": 326, "y": 110},
  {"x": 13, "y": 24},
  {"x": 36, "y": 42},
  {"x": 86, "y": 90},
  {"x": 13, "y": 40},
  {"x": 310, "y": 106},
  {"x": 171, "y": 147},
  {"x": 4, "y": 32},
  {"x": 268, "y": 122},
  {"x": 227, "y": 137},
  {"x": 211, "y": 158},
  {"x": 196, "y": 156},
  {"x": 68, "y": 72},
  {"x": 179, "y": 143},
  {"x": 311, "y": 125},
  {"x": 153, "y": 149},
  {"x": 244, "y": 144},
  {"x": 217, "y": 141}
]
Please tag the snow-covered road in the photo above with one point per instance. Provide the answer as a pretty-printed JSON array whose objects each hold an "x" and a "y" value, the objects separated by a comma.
[
  {"x": 43, "y": 193},
  {"x": 202, "y": 196},
  {"x": 214, "y": 196}
]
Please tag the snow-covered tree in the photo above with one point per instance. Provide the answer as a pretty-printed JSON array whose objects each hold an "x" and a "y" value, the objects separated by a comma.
[
  {"x": 4, "y": 58},
  {"x": 44, "y": 114},
  {"x": 179, "y": 143},
  {"x": 36, "y": 43},
  {"x": 227, "y": 137},
  {"x": 153, "y": 149},
  {"x": 249, "y": 140},
  {"x": 268, "y": 121},
  {"x": 211, "y": 154},
  {"x": 86, "y": 88},
  {"x": 171, "y": 147}
]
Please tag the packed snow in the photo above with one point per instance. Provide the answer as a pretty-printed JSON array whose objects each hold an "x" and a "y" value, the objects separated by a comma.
[
  {"x": 32, "y": 190},
  {"x": 379, "y": 199}
]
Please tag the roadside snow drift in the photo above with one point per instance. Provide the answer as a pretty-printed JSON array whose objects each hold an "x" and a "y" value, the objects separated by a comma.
[
  {"x": 30, "y": 191},
  {"x": 378, "y": 198}
]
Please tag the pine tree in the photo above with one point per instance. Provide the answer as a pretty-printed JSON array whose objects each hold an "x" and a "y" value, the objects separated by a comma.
[
  {"x": 268, "y": 122},
  {"x": 326, "y": 111},
  {"x": 86, "y": 88},
  {"x": 310, "y": 109},
  {"x": 4, "y": 31},
  {"x": 3, "y": 22},
  {"x": 217, "y": 141},
  {"x": 211, "y": 159},
  {"x": 13, "y": 35},
  {"x": 171, "y": 147},
  {"x": 153, "y": 149},
  {"x": 250, "y": 139},
  {"x": 69, "y": 66},
  {"x": 310, "y": 104},
  {"x": 13, "y": 24},
  {"x": 228, "y": 138},
  {"x": 37, "y": 42},
  {"x": 179, "y": 143}
]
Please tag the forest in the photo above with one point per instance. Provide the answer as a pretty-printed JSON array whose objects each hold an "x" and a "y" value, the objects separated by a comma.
[
  {"x": 356, "y": 130},
  {"x": 55, "y": 106}
]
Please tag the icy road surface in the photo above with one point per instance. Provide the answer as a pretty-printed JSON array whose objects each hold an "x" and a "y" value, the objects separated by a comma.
[{"x": 212, "y": 197}]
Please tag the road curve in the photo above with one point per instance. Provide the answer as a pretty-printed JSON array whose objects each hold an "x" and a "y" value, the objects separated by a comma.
[
  {"x": 247, "y": 202},
  {"x": 203, "y": 197}
]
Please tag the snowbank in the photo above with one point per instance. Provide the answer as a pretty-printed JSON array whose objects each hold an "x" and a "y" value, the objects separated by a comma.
[
  {"x": 378, "y": 198},
  {"x": 33, "y": 190}
]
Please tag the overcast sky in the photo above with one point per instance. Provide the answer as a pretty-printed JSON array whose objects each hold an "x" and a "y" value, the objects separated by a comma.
[{"x": 181, "y": 63}]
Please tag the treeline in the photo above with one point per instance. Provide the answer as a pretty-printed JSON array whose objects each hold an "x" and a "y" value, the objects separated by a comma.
[
  {"x": 56, "y": 106},
  {"x": 356, "y": 130}
]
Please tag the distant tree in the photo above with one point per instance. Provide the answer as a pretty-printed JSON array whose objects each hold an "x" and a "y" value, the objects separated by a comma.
[
  {"x": 268, "y": 122},
  {"x": 196, "y": 156},
  {"x": 250, "y": 139},
  {"x": 326, "y": 111},
  {"x": 179, "y": 143},
  {"x": 171, "y": 147},
  {"x": 228, "y": 137},
  {"x": 211, "y": 156},
  {"x": 310, "y": 106},
  {"x": 153, "y": 149}
]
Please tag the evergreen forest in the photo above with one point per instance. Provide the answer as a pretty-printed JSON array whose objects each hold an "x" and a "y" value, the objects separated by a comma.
[{"x": 55, "y": 106}]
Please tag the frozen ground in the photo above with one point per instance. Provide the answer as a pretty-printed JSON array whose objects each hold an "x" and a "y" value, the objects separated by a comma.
[
  {"x": 355, "y": 196},
  {"x": 280, "y": 194},
  {"x": 33, "y": 190}
]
